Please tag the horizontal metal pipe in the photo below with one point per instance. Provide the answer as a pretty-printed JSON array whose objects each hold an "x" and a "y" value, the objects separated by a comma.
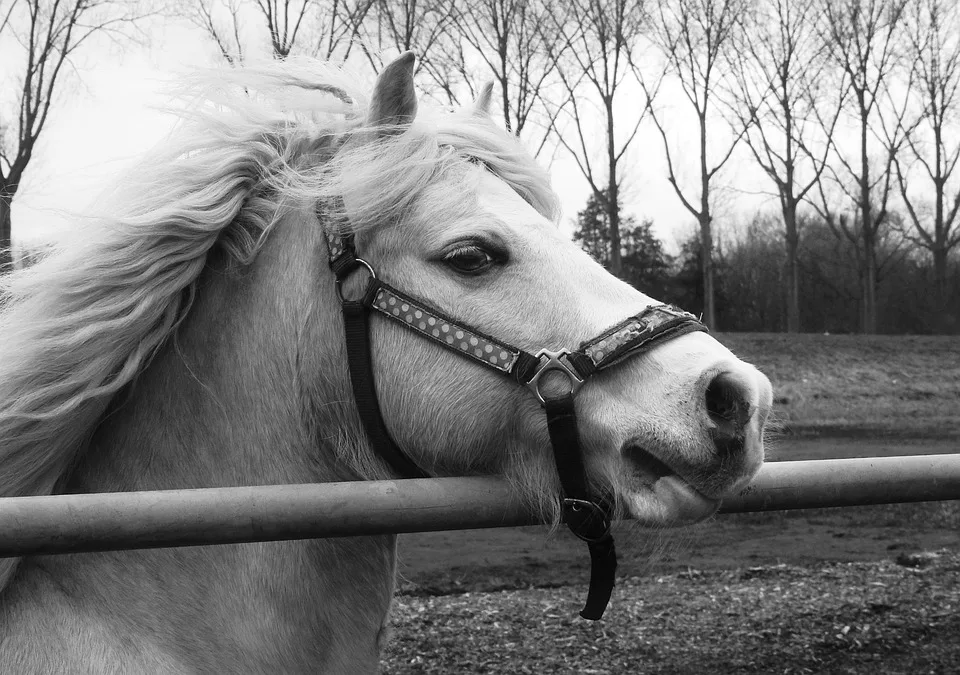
[
  {"x": 124, "y": 520},
  {"x": 849, "y": 482}
]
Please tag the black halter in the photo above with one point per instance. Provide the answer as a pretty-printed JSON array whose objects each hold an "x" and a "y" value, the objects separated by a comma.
[{"x": 586, "y": 515}]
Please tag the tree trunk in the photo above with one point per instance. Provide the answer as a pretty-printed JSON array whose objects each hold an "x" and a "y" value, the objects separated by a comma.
[
  {"x": 6, "y": 232},
  {"x": 706, "y": 236},
  {"x": 706, "y": 243},
  {"x": 869, "y": 284},
  {"x": 613, "y": 218},
  {"x": 868, "y": 293},
  {"x": 792, "y": 269},
  {"x": 940, "y": 276},
  {"x": 941, "y": 254},
  {"x": 613, "y": 195},
  {"x": 940, "y": 250}
]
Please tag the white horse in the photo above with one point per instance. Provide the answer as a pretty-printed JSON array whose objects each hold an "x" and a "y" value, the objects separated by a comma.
[{"x": 192, "y": 337}]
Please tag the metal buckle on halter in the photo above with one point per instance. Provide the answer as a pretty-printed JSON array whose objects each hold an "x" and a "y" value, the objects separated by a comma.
[
  {"x": 554, "y": 361},
  {"x": 586, "y": 519},
  {"x": 339, "y": 279}
]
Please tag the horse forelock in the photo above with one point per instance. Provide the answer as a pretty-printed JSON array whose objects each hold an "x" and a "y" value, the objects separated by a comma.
[{"x": 79, "y": 325}]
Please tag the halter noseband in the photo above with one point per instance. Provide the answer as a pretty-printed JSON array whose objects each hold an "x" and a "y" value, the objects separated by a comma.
[{"x": 587, "y": 516}]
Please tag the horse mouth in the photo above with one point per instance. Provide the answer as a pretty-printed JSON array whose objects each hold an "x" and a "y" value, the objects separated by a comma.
[
  {"x": 658, "y": 495},
  {"x": 646, "y": 467}
]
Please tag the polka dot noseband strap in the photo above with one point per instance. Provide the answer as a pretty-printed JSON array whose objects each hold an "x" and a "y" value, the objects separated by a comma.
[{"x": 586, "y": 515}]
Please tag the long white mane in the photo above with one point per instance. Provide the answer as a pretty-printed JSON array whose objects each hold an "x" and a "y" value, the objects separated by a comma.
[{"x": 78, "y": 327}]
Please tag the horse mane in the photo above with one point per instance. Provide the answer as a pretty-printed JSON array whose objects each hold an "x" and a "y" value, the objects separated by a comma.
[{"x": 79, "y": 326}]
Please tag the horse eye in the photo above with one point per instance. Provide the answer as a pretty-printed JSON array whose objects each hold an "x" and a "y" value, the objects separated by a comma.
[{"x": 469, "y": 260}]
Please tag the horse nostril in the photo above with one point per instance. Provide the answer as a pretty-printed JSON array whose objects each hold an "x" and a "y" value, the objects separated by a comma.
[{"x": 729, "y": 410}]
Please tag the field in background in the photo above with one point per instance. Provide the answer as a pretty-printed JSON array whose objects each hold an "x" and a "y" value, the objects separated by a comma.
[
  {"x": 835, "y": 396},
  {"x": 876, "y": 386}
]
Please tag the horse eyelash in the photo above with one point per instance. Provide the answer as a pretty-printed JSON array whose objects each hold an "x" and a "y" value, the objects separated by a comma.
[{"x": 497, "y": 253}]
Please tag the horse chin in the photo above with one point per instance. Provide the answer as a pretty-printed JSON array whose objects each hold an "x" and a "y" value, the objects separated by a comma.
[{"x": 656, "y": 496}]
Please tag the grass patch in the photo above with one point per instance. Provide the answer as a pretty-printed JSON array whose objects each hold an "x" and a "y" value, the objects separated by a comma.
[{"x": 837, "y": 385}]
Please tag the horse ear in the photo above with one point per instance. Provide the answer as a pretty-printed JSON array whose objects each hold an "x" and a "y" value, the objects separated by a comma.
[
  {"x": 481, "y": 107},
  {"x": 394, "y": 101}
]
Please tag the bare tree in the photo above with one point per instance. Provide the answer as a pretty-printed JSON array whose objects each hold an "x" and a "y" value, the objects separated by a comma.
[
  {"x": 322, "y": 28},
  {"x": 890, "y": 247},
  {"x": 508, "y": 36},
  {"x": 933, "y": 60},
  {"x": 863, "y": 39},
  {"x": 780, "y": 68},
  {"x": 338, "y": 27},
  {"x": 47, "y": 33},
  {"x": 696, "y": 37},
  {"x": 601, "y": 35},
  {"x": 205, "y": 15},
  {"x": 426, "y": 27},
  {"x": 284, "y": 19}
]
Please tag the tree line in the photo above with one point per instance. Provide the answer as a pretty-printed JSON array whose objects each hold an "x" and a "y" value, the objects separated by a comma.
[
  {"x": 750, "y": 270},
  {"x": 849, "y": 108}
]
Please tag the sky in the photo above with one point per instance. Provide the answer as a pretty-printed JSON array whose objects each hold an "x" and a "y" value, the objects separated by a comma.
[{"x": 106, "y": 116}]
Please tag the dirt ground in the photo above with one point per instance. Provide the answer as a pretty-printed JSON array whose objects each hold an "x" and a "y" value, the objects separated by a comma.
[{"x": 879, "y": 618}]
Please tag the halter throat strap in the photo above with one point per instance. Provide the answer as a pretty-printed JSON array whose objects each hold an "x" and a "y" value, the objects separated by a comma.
[{"x": 587, "y": 516}]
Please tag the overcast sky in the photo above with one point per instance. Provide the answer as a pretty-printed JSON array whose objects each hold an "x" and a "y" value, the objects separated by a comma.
[{"x": 104, "y": 119}]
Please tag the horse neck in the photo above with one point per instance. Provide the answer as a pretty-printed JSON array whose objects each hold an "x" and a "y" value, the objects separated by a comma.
[
  {"x": 224, "y": 404},
  {"x": 226, "y": 401}
]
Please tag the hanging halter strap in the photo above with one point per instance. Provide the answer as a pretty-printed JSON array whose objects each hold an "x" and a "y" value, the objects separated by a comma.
[{"x": 586, "y": 515}]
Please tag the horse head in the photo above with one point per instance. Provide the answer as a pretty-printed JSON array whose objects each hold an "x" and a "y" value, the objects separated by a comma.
[{"x": 665, "y": 433}]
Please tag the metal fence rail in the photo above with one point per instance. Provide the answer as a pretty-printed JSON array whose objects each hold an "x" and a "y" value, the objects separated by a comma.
[{"x": 125, "y": 520}]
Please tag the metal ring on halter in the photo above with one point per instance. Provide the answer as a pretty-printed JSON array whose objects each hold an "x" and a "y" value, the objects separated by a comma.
[
  {"x": 586, "y": 519},
  {"x": 339, "y": 280},
  {"x": 554, "y": 363}
]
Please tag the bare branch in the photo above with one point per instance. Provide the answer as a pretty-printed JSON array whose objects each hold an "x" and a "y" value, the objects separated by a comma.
[
  {"x": 49, "y": 32},
  {"x": 671, "y": 175},
  {"x": 864, "y": 40},
  {"x": 227, "y": 40},
  {"x": 696, "y": 38},
  {"x": 595, "y": 58},
  {"x": 11, "y": 5},
  {"x": 508, "y": 36}
]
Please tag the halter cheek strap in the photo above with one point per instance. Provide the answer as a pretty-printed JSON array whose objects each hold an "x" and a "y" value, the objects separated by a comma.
[
  {"x": 356, "y": 327},
  {"x": 587, "y": 516}
]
